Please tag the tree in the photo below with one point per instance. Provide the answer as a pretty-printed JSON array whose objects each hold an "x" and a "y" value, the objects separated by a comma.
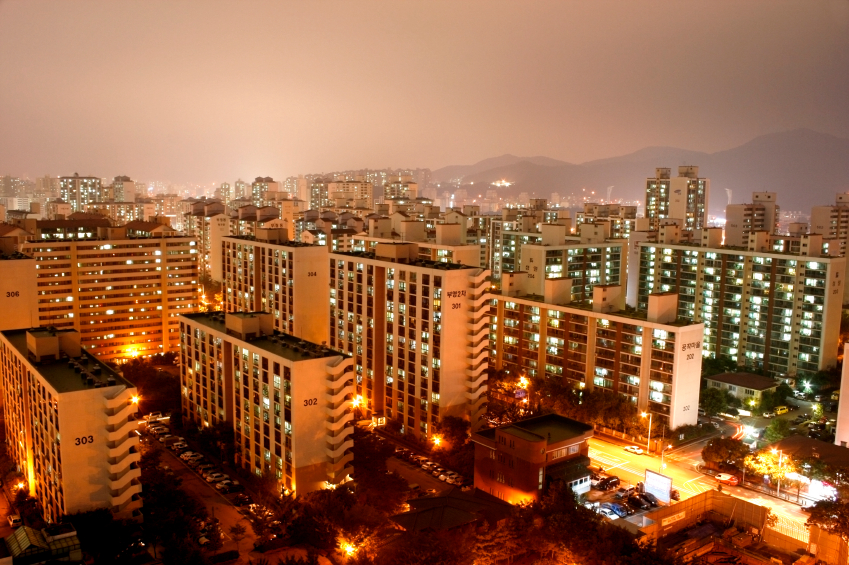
[
  {"x": 718, "y": 365},
  {"x": 831, "y": 516},
  {"x": 215, "y": 537},
  {"x": 238, "y": 533},
  {"x": 777, "y": 430},
  {"x": 454, "y": 431},
  {"x": 725, "y": 451},
  {"x": 713, "y": 400},
  {"x": 770, "y": 463}
]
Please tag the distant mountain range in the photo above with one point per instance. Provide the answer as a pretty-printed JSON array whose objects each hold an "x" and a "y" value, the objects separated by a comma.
[{"x": 805, "y": 168}]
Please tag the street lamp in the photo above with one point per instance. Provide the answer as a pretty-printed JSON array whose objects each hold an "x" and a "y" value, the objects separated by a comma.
[
  {"x": 780, "y": 457},
  {"x": 648, "y": 442},
  {"x": 662, "y": 452}
]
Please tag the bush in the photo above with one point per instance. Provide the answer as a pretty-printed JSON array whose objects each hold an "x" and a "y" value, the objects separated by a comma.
[{"x": 224, "y": 556}]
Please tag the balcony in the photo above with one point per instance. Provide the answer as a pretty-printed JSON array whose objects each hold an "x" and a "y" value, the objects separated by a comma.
[
  {"x": 336, "y": 424},
  {"x": 338, "y": 411},
  {"x": 117, "y": 482},
  {"x": 114, "y": 433},
  {"x": 121, "y": 463},
  {"x": 476, "y": 393},
  {"x": 334, "y": 452},
  {"x": 120, "y": 497},
  {"x": 475, "y": 372},
  {"x": 338, "y": 467}
]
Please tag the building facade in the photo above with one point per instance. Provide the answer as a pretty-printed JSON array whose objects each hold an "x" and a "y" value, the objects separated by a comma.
[
  {"x": 779, "y": 311},
  {"x": 417, "y": 331},
  {"x": 288, "y": 400},
  {"x": 683, "y": 198},
  {"x": 123, "y": 295},
  {"x": 288, "y": 279},
  {"x": 650, "y": 358},
  {"x": 70, "y": 425},
  {"x": 517, "y": 462}
]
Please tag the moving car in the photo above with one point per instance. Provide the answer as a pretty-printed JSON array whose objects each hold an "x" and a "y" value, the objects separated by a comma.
[
  {"x": 727, "y": 479},
  {"x": 634, "y": 449}
]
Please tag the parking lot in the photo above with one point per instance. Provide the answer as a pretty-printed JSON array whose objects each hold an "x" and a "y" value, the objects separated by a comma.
[{"x": 220, "y": 506}]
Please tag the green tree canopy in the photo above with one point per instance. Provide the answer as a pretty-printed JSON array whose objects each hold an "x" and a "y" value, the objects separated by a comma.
[
  {"x": 713, "y": 401},
  {"x": 777, "y": 430},
  {"x": 725, "y": 450}
]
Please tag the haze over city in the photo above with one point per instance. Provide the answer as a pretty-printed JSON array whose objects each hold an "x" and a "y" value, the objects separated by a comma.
[{"x": 207, "y": 91}]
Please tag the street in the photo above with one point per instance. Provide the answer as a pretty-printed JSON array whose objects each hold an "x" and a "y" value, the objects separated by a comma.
[{"x": 682, "y": 467}]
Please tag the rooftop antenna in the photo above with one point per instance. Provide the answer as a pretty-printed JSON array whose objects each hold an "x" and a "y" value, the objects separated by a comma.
[
  {"x": 609, "y": 190},
  {"x": 728, "y": 192}
]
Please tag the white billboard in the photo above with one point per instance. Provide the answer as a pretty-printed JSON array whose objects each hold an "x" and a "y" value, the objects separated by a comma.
[{"x": 658, "y": 485}]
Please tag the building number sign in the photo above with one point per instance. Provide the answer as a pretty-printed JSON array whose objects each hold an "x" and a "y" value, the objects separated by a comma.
[{"x": 84, "y": 440}]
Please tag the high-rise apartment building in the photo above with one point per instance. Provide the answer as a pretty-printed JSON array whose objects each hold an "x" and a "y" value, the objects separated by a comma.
[
  {"x": 288, "y": 400},
  {"x": 779, "y": 310},
  {"x": 79, "y": 191},
  {"x": 288, "y": 279},
  {"x": 70, "y": 424},
  {"x": 319, "y": 196},
  {"x": 649, "y": 357},
  {"x": 123, "y": 295},
  {"x": 260, "y": 186},
  {"x": 124, "y": 189},
  {"x": 418, "y": 333},
  {"x": 832, "y": 222},
  {"x": 400, "y": 186},
  {"x": 741, "y": 220},
  {"x": 683, "y": 198}
]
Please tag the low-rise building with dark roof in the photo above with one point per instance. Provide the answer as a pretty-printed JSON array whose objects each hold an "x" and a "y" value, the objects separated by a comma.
[
  {"x": 452, "y": 509},
  {"x": 516, "y": 462},
  {"x": 745, "y": 386}
]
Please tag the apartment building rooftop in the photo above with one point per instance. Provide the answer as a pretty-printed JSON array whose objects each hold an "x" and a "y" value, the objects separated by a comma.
[
  {"x": 587, "y": 305},
  {"x": 413, "y": 263},
  {"x": 551, "y": 427},
  {"x": 277, "y": 343},
  {"x": 253, "y": 239},
  {"x": 61, "y": 361},
  {"x": 13, "y": 256}
]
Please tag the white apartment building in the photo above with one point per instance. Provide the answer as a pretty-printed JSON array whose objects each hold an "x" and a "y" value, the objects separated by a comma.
[
  {"x": 650, "y": 357},
  {"x": 833, "y": 222},
  {"x": 70, "y": 424},
  {"x": 417, "y": 331},
  {"x": 79, "y": 191},
  {"x": 289, "y": 400},
  {"x": 448, "y": 244},
  {"x": 122, "y": 294},
  {"x": 683, "y": 198},
  {"x": 741, "y": 220},
  {"x": 760, "y": 306},
  {"x": 124, "y": 189},
  {"x": 123, "y": 212},
  {"x": 18, "y": 292},
  {"x": 288, "y": 279}
]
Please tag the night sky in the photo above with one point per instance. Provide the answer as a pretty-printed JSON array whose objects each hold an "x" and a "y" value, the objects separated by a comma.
[{"x": 205, "y": 91}]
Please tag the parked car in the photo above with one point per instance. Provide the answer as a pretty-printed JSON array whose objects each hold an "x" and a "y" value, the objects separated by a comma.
[
  {"x": 193, "y": 463},
  {"x": 769, "y": 414},
  {"x": 624, "y": 492},
  {"x": 727, "y": 479},
  {"x": 185, "y": 455},
  {"x": 14, "y": 520},
  {"x": 607, "y": 513},
  {"x": 638, "y": 503},
  {"x": 617, "y": 508},
  {"x": 154, "y": 416},
  {"x": 634, "y": 449},
  {"x": 608, "y": 483},
  {"x": 242, "y": 500},
  {"x": 216, "y": 477},
  {"x": 164, "y": 437},
  {"x": 649, "y": 497}
]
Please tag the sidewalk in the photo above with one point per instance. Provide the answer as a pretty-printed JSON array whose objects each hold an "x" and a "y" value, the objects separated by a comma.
[{"x": 791, "y": 496}]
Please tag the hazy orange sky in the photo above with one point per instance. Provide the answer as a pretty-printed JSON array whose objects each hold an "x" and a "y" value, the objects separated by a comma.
[{"x": 209, "y": 91}]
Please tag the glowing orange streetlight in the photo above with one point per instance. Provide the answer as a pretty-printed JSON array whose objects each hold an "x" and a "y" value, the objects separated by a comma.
[
  {"x": 437, "y": 440},
  {"x": 357, "y": 401},
  {"x": 348, "y": 548},
  {"x": 135, "y": 399}
]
